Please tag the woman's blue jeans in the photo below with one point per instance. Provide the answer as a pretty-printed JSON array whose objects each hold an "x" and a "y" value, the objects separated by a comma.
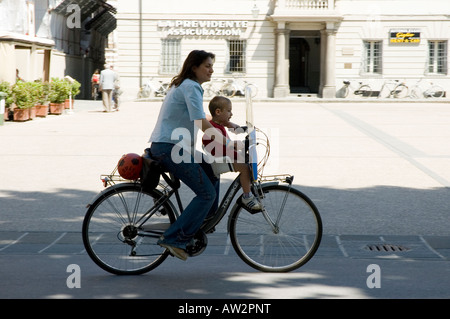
[{"x": 200, "y": 179}]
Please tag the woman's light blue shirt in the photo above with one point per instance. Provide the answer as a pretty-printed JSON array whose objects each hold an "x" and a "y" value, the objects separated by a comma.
[{"x": 181, "y": 107}]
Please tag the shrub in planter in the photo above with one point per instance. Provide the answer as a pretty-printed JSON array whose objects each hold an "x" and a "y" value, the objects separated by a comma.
[
  {"x": 41, "y": 91},
  {"x": 75, "y": 88},
  {"x": 23, "y": 94},
  {"x": 6, "y": 88},
  {"x": 23, "y": 99},
  {"x": 58, "y": 93}
]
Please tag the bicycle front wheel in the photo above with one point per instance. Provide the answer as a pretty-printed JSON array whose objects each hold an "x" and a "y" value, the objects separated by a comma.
[
  {"x": 284, "y": 239},
  {"x": 120, "y": 230},
  {"x": 208, "y": 90},
  {"x": 416, "y": 93},
  {"x": 144, "y": 93},
  {"x": 400, "y": 92},
  {"x": 364, "y": 91}
]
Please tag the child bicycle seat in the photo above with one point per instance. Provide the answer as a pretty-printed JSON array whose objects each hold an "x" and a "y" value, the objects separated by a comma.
[{"x": 219, "y": 165}]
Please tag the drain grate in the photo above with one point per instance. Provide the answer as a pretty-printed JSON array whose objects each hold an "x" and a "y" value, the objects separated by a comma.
[{"x": 386, "y": 248}]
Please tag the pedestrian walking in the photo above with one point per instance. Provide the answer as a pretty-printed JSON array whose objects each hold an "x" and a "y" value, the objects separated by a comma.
[{"x": 108, "y": 79}]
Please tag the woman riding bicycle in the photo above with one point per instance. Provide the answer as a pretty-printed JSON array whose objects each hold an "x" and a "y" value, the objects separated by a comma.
[{"x": 173, "y": 144}]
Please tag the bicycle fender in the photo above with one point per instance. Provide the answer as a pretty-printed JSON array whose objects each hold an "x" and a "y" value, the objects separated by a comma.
[{"x": 102, "y": 193}]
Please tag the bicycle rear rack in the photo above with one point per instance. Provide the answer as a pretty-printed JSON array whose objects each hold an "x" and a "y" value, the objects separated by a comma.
[
  {"x": 111, "y": 179},
  {"x": 284, "y": 178}
]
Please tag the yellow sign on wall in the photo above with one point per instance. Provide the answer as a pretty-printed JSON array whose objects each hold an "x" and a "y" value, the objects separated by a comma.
[{"x": 404, "y": 36}]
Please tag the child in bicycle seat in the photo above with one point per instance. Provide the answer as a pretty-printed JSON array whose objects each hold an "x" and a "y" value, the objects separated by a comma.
[{"x": 220, "y": 109}]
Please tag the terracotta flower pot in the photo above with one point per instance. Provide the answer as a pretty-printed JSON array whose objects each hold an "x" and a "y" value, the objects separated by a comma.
[
  {"x": 67, "y": 103},
  {"x": 21, "y": 115},
  {"x": 6, "y": 115},
  {"x": 32, "y": 111},
  {"x": 41, "y": 110},
  {"x": 56, "y": 108}
]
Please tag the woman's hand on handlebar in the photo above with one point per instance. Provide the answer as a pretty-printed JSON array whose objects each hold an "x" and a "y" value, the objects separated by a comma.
[{"x": 238, "y": 129}]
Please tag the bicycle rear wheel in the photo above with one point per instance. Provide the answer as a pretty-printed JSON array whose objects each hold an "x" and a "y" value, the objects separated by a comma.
[
  {"x": 435, "y": 91},
  {"x": 345, "y": 91},
  {"x": 228, "y": 90},
  {"x": 288, "y": 241},
  {"x": 117, "y": 235}
]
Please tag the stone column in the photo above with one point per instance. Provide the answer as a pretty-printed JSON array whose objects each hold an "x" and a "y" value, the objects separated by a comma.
[
  {"x": 323, "y": 50},
  {"x": 329, "y": 85},
  {"x": 281, "y": 88}
]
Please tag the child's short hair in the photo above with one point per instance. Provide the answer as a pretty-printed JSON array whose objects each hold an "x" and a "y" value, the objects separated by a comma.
[{"x": 218, "y": 102}]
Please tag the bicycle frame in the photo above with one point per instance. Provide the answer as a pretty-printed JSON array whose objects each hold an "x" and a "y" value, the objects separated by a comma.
[
  {"x": 392, "y": 88},
  {"x": 156, "y": 230}
]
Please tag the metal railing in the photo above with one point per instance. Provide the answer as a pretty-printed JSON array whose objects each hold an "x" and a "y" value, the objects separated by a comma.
[{"x": 306, "y": 4}]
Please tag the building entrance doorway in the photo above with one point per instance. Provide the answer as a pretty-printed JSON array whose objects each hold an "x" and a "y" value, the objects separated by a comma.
[{"x": 304, "y": 62}]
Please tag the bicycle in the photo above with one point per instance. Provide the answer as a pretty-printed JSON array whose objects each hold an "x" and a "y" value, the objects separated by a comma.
[
  {"x": 158, "y": 88},
  {"x": 395, "y": 89},
  {"x": 213, "y": 87},
  {"x": 363, "y": 90},
  {"x": 95, "y": 87},
  {"x": 433, "y": 91},
  {"x": 123, "y": 223},
  {"x": 239, "y": 87}
]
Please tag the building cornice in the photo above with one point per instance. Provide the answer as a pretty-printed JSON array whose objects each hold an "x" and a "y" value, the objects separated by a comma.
[{"x": 26, "y": 39}]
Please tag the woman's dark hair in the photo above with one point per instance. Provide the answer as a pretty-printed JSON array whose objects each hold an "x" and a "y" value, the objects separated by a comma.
[{"x": 195, "y": 58}]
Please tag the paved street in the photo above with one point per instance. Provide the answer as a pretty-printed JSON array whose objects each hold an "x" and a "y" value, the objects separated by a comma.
[{"x": 379, "y": 174}]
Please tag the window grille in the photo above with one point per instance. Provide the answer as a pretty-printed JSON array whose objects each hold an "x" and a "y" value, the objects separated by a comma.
[
  {"x": 437, "y": 57},
  {"x": 170, "y": 56},
  {"x": 372, "y": 57},
  {"x": 236, "y": 56}
]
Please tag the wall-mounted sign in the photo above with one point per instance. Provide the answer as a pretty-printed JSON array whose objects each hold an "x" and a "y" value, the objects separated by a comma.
[
  {"x": 404, "y": 36},
  {"x": 203, "y": 27}
]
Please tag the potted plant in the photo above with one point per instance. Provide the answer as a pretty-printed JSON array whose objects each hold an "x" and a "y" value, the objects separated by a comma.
[
  {"x": 42, "y": 91},
  {"x": 58, "y": 93},
  {"x": 74, "y": 90},
  {"x": 5, "y": 87},
  {"x": 23, "y": 100}
]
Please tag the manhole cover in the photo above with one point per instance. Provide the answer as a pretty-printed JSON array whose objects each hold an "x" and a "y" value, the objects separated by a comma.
[{"x": 386, "y": 248}]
